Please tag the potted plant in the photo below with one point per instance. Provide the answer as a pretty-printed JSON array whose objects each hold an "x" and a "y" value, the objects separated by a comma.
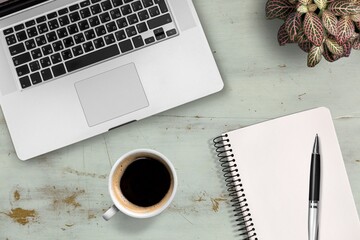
[{"x": 323, "y": 28}]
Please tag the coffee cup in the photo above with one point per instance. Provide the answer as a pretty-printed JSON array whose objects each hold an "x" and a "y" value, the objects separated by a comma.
[{"x": 142, "y": 184}]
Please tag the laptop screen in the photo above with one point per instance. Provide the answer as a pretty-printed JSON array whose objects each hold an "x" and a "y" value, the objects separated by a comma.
[{"x": 12, "y": 6}]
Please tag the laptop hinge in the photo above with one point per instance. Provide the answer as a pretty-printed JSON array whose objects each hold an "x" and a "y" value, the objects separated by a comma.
[{"x": 122, "y": 125}]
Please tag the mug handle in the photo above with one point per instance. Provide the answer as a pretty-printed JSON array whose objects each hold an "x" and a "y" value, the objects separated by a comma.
[{"x": 110, "y": 212}]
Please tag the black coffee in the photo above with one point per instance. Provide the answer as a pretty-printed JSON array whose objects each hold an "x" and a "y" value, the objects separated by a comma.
[{"x": 145, "y": 182}]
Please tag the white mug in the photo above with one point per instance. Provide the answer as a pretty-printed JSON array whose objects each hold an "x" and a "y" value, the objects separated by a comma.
[{"x": 133, "y": 184}]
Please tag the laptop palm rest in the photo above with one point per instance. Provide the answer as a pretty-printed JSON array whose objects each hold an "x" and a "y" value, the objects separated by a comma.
[{"x": 111, "y": 94}]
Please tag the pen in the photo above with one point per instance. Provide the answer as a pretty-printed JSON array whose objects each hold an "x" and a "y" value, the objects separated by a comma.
[{"x": 314, "y": 193}]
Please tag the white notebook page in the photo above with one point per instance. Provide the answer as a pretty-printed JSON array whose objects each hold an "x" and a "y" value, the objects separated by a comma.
[{"x": 273, "y": 160}]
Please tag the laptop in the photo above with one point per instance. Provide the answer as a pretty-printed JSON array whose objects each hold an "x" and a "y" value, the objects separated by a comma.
[{"x": 71, "y": 70}]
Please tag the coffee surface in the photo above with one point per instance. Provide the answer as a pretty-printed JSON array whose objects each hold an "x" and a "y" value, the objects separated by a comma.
[{"x": 145, "y": 182}]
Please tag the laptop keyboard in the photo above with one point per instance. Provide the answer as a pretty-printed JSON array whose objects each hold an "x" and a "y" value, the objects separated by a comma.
[{"x": 83, "y": 34}]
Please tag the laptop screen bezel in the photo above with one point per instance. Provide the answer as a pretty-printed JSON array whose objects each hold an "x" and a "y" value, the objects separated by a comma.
[{"x": 13, "y": 6}]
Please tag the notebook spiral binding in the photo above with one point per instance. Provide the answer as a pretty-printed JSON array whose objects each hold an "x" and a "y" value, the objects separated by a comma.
[{"x": 235, "y": 187}]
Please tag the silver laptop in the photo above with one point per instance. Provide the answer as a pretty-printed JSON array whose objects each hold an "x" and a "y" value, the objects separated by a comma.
[{"x": 71, "y": 70}]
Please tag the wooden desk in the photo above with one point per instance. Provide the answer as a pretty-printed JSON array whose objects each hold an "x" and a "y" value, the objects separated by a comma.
[{"x": 66, "y": 191}]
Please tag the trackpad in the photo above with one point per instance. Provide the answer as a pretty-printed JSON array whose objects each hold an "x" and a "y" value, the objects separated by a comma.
[{"x": 111, "y": 94}]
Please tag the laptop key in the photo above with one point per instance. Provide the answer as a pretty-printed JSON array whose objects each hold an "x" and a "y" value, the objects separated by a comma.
[
  {"x": 83, "y": 25},
  {"x": 58, "y": 46},
  {"x": 122, "y": 23},
  {"x": 99, "y": 43},
  {"x": 92, "y": 58},
  {"x": 159, "y": 21},
  {"x": 154, "y": 11},
  {"x": 117, "y": 3},
  {"x": 51, "y": 36},
  {"x": 74, "y": 7},
  {"x": 56, "y": 58},
  {"x": 88, "y": 47},
  {"x": 36, "y": 53},
  {"x": 106, "y": 5},
  {"x": 42, "y": 28},
  {"x": 35, "y": 78},
  {"x": 94, "y": 21},
  {"x": 126, "y": 10},
  {"x": 85, "y": 3},
  {"x": 46, "y": 74},
  {"x": 126, "y": 46},
  {"x": 89, "y": 34},
  {"x": 111, "y": 27},
  {"x": 30, "y": 23},
  {"x": 19, "y": 27},
  {"x": 77, "y": 51},
  {"x": 45, "y": 62},
  {"x": 34, "y": 66},
  {"x": 95, "y": 9},
  {"x": 149, "y": 40},
  {"x": 120, "y": 35},
  {"x": 53, "y": 24},
  {"x": 131, "y": 31},
  {"x": 68, "y": 42},
  {"x": 162, "y": 5},
  {"x": 21, "y": 36},
  {"x": 16, "y": 49},
  {"x": 64, "y": 20},
  {"x": 159, "y": 34},
  {"x": 137, "y": 6},
  {"x": 58, "y": 70},
  {"x": 73, "y": 29},
  {"x": 52, "y": 15},
  {"x": 10, "y": 40},
  {"x": 115, "y": 13},
  {"x": 63, "y": 11},
  {"x": 74, "y": 16},
  {"x": 133, "y": 19},
  {"x": 30, "y": 44},
  {"x": 141, "y": 27},
  {"x": 104, "y": 17},
  {"x": 138, "y": 41},
  {"x": 22, "y": 70},
  {"x": 21, "y": 59},
  {"x": 109, "y": 39},
  {"x": 79, "y": 38},
  {"x": 100, "y": 31},
  {"x": 41, "y": 19},
  {"x": 62, "y": 32},
  {"x": 8, "y": 31},
  {"x": 41, "y": 40},
  {"x": 171, "y": 32},
  {"x": 143, "y": 15},
  {"x": 148, "y": 3},
  {"x": 47, "y": 50},
  {"x": 32, "y": 32},
  {"x": 66, "y": 54},
  {"x": 25, "y": 82},
  {"x": 85, "y": 13}
]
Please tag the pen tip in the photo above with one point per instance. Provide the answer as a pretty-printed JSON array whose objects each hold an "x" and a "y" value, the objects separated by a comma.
[{"x": 316, "y": 145}]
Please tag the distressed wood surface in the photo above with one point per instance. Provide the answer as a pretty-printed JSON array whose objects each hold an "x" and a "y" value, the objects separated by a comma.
[{"x": 63, "y": 194}]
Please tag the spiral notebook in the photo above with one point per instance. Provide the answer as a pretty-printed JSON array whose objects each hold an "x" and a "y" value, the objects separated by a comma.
[{"x": 267, "y": 169}]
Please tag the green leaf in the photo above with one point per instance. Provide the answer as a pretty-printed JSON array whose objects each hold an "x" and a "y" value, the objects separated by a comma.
[
  {"x": 293, "y": 24},
  {"x": 356, "y": 17},
  {"x": 279, "y": 9},
  {"x": 313, "y": 28},
  {"x": 356, "y": 44},
  {"x": 347, "y": 49},
  {"x": 321, "y": 4},
  {"x": 341, "y": 8},
  {"x": 301, "y": 37},
  {"x": 283, "y": 36},
  {"x": 314, "y": 56},
  {"x": 305, "y": 2},
  {"x": 334, "y": 47},
  {"x": 329, "y": 56},
  {"x": 330, "y": 22},
  {"x": 345, "y": 29},
  {"x": 305, "y": 46}
]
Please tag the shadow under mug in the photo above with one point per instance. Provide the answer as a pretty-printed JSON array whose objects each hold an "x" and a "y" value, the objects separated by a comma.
[{"x": 152, "y": 171}]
